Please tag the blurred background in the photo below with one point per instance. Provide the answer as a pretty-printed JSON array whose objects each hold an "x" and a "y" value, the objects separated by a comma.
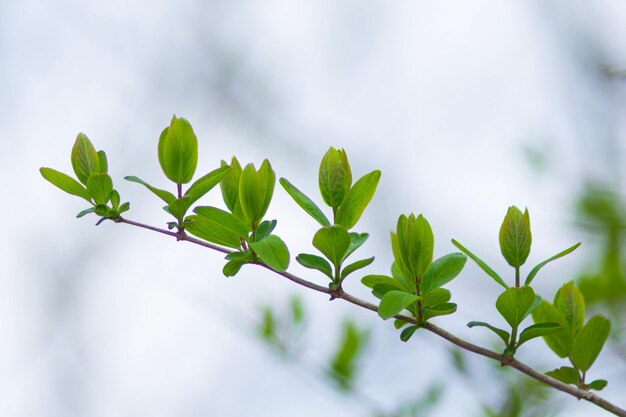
[{"x": 466, "y": 107}]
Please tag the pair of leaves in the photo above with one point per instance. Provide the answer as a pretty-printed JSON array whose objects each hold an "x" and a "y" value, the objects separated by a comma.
[
  {"x": 580, "y": 342},
  {"x": 515, "y": 304},
  {"x": 223, "y": 228},
  {"x": 571, "y": 375},
  {"x": 515, "y": 242},
  {"x": 336, "y": 244},
  {"x": 413, "y": 245},
  {"x": 94, "y": 183},
  {"x": 335, "y": 180},
  {"x": 178, "y": 151}
]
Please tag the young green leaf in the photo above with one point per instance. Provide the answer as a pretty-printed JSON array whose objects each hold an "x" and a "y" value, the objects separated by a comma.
[
  {"x": 232, "y": 268},
  {"x": 513, "y": 304},
  {"x": 335, "y": 177},
  {"x": 379, "y": 290},
  {"x": 442, "y": 271},
  {"x": 265, "y": 229},
  {"x": 571, "y": 304},
  {"x": 372, "y": 281},
  {"x": 560, "y": 342},
  {"x": 481, "y": 264},
  {"x": 357, "y": 198},
  {"x": 217, "y": 226},
  {"x": 65, "y": 183},
  {"x": 162, "y": 194},
  {"x": 504, "y": 335},
  {"x": 536, "y": 269},
  {"x": 565, "y": 374},
  {"x": 85, "y": 159},
  {"x": 398, "y": 324},
  {"x": 394, "y": 302},
  {"x": 598, "y": 384},
  {"x": 355, "y": 267},
  {"x": 230, "y": 185},
  {"x": 333, "y": 242},
  {"x": 402, "y": 278},
  {"x": 589, "y": 342},
  {"x": 255, "y": 191},
  {"x": 115, "y": 199},
  {"x": 99, "y": 187},
  {"x": 85, "y": 212},
  {"x": 442, "y": 309},
  {"x": 356, "y": 241},
  {"x": 206, "y": 183},
  {"x": 273, "y": 252},
  {"x": 515, "y": 236},
  {"x": 436, "y": 297},
  {"x": 538, "y": 330},
  {"x": 315, "y": 262},
  {"x": 178, "y": 151},
  {"x": 407, "y": 333},
  {"x": 414, "y": 244},
  {"x": 103, "y": 165},
  {"x": 305, "y": 202},
  {"x": 178, "y": 208}
]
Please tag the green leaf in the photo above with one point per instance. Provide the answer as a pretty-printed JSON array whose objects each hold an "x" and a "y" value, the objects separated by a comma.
[
  {"x": 230, "y": 186},
  {"x": 357, "y": 198},
  {"x": 565, "y": 374},
  {"x": 442, "y": 271},
  {"x": 536, "y": 269},
  {"x": 99, "y": 187},
  {"x": 178, "y": 208},
  {"x": 217, "y": 226},
  {"x": 538, "y": 330},
  {"x": 436, "y": 297},
  {"x": 515, "y": 236},
  {"x": 589, "y": 342},
  {"x": 598, "y": 384},
  {"x": 315, "y": 262},
  {"x": 356, "y": 241},
  {"x": 102, "y": 210},
  {"x": 65, "y": 183},
  {"x": 407, "y": 333},
  {"x": 344, "y": 362},
  {"x": 255, "y": 191},
  {"x": 398, "y": 324},
  {"x": 560, "y": 342},
  {"x": 536, "y": 302},
  {"x": 305, "y": 202},
  {"x": 124, "y": 207},
  {"x": 265, "y": 229},
  {"x": 355, "y": 267},
  {"x": 513, "y": 304},
  {"x": 442, "y": 309},
  {"x": 273, "y": 252},
  {"x": 115, "y": 199},
  {"x": 504, "y": 335},
  {"x": 394, "y": 302},
  {"x": 379, "y": 290},
  {"x": 402, "y": 279},
  {"x": 414, "y": 244},
  {"x": 371, "y": 280},
  {"x": 206, "y": 183},
  {"x": 103, "y": 165},
  {"x": 571, "y": 304},
  {"x": 481, "y": 264},
  {"x": 162, "y": 194},
  {"x": 178, "y": 151},
  {"x": 335, "y": 177},
  {"x": 85, "y": 212},
  {"x": 333, "y": 242},
  {"x": 85, "y": 159},
  {"x": 232, "y": 268}
]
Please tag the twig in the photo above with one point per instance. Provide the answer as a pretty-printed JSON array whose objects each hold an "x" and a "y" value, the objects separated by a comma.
[{"x": 505, "y": 360}]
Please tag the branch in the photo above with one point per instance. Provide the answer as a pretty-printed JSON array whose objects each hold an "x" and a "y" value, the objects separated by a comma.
[{"x": 505, "y": 360}]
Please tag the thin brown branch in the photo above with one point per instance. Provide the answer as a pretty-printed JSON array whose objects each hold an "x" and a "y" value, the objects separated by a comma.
[{"x": 505, "y": 360}]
